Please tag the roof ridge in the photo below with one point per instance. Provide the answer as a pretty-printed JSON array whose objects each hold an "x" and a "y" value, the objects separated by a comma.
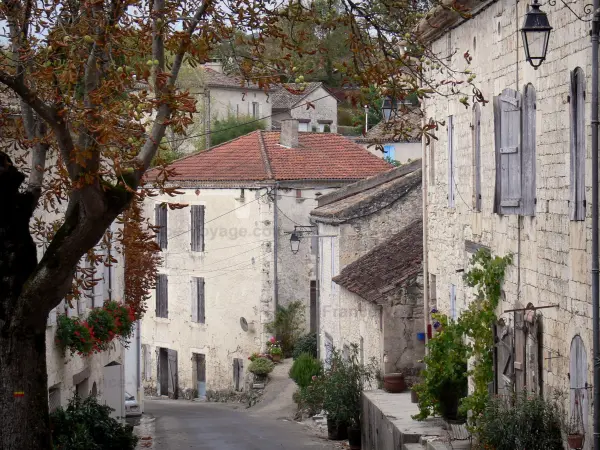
[{"x": 265, "y": 155}]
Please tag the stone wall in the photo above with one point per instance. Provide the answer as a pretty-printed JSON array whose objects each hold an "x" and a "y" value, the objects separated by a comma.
[
  {"x": 325, "y": 109},
  {"x": 551, "y": 253}
]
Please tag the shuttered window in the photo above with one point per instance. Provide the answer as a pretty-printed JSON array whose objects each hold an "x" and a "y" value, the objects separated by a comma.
[
  {"x": 578, "y": 374},
  {"x": 577, "y": 146},
  {"x": 198, "y": 303},
  {"x": 197, "y": 213},
  {"x": 451, "y": 164},
  {"x": 515, "y": 132},
  {"x": 453, "y": 312},
  {"x": 162, "y": 296},
  {"x": 476, "y": 129},
  {"x": 160, "y": 213}
]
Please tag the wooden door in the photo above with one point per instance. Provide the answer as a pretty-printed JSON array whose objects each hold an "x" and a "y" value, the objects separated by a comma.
[
  {"x": 578, "y": 372},
  {"x": 173, "y": 374},
  {"x": 238, "y": 374}
]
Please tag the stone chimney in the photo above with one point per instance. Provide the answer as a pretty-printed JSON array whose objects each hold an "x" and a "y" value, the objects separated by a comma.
[{"x": 289, "y": 133}]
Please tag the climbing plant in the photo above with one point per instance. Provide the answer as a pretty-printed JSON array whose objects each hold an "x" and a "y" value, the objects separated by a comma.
[{"x": 470, "y": 337}]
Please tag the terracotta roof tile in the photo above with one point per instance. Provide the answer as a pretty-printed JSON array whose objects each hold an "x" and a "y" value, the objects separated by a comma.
[
  {"x": 391, "y": 265},
  {"x": 320, "y": 156}
]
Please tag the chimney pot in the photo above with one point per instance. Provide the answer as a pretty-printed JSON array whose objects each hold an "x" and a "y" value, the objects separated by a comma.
[{"x": 289, "y": 133}]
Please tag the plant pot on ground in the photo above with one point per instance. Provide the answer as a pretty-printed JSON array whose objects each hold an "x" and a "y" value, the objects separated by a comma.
[
  {"x": 336, "y": 431},
  {"x": 414, "y": 396},
  {"x": 354, "y": 437},
  {"x": 394, "y": 383}
]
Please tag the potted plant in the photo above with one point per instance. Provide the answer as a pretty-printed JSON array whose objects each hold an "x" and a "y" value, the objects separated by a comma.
[
  {"x": 260, "y": 367},
  {"x": 276, "y": 353},
  {"x": 575, "y": 434}
]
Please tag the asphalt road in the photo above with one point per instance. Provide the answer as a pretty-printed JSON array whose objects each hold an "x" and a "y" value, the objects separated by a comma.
[{"x": 210, "y": 426}]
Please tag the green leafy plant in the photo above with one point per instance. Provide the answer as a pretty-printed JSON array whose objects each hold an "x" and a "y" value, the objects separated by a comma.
[
  {"x": 103, "y": 324},
  {"x": 303, "y": 370},
  {"x": 261, "y": 366},
  {"x": 469, "y": 337},
  {"x": 275, "y": 350},
  {"x": 232, "y": 126},
  {"x": 87, "y": 425},
  {"x": 306, "y": 344},
  {"x": 288, "y": 325},
  {"x": 522, "y": 421}
]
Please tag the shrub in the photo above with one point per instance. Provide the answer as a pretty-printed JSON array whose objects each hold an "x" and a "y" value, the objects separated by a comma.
[
  {"x": 524, "y": 421},
  {"x": 224, "y": 130},
  {"x": 288, "y": 326},
  {"x": 87, "y": 425},
  {"x": 261, "y": 366},
  {"x": 306, "y": 344},
  {"x": 304, "y": 369}
]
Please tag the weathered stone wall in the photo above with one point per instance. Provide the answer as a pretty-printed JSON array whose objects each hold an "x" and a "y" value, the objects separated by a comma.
[
  {"x": 325, "y": 109},
  {"x": 551, "y": 253},
  {"x": 237, "y": 266}
]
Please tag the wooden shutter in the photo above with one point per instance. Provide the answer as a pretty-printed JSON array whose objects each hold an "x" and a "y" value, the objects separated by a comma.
[
  {"x": 520, "y": 352},
  {"x": 578, "y": 372},
  {"x": 503, "y": 371},
  {"x": 477, "y": 157},
  {"x": 577, "y": 146},
  {"x": 162, "y": 299},
  {"x": 197, "y": 212},
  {"x": 160, "y": 213},
  {"x": 194, "y": 298},
  {"x": 532, "y": 362},
  {"x": 147, "y": 368},
  {"x": 509, "y": 157},
  {"x": 451, "y": 166},
  {"x": 528, "y": 152},
  {"x": 173, "y": 374},
  {"x": 201, "y": 300}
]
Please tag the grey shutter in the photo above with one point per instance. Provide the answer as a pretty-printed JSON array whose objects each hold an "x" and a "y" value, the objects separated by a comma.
[
  {"x": 497, "y": 145},
  {"x": 578, "y": 371},
  {"x": 528, "y": 152},
  {"x": 201, "y": 300},
  {"x": 477, "y": 157},
  {"x": 197, "y": 212},
  {"x": 451, "y": 168},
  {"x": 173, "y": 374},
  {"x": 162, "y": 299},
  {"x": 509, "y": 156},
  {"x": 503, "y": 370},
  {"x": 520, "y": 352},
  {"x": 532, "y": 375},
  {"x": 147, "y": 369},
  {"x": 577, "y": 146},
  {"x": 160, "y": 213},
  {"x": 194, "y": 298}
]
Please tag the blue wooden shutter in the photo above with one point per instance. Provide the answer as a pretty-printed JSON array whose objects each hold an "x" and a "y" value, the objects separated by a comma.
[{"x": 508, "y": 158}]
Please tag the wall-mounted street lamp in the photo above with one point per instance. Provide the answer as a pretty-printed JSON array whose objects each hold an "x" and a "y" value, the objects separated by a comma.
[
  {"x": 295, "y": 242},
  {"x": 297, "y": 235},
  {"x": 389, "y": 108},
  {"x": 536, "y": 33}
]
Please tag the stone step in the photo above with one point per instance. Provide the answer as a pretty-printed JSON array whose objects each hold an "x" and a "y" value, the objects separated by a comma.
[{"x": 412, "y": 447}]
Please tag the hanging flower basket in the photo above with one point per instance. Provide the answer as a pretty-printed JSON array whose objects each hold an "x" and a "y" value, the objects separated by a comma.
[{"x": 575, "y": 441}]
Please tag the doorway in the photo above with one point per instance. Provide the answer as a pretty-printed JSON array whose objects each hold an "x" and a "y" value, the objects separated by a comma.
[
  {"x": 199, "y": 370},
  {"x": 163, "y": 371}
]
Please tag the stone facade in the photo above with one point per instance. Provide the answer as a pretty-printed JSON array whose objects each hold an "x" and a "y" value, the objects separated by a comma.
[
  {"x": 551, "y": 252},
  {"x": 311, "y": 119},
  {"x": 352, "y": 223}
]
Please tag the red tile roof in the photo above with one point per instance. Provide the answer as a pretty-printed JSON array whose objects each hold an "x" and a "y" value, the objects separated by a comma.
[{"x": 258, "y": 156}]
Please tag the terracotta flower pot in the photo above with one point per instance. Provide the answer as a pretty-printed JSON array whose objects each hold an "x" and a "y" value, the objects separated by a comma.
[
  {"x": 394, "y": 383},
  {"x": 354, "y": 438},
  {"x": 575, "y": 441},
  {"x": 276, "y": 358}
]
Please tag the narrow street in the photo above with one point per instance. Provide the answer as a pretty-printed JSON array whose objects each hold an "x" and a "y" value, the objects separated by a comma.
[{"x": 213, "y": 426}]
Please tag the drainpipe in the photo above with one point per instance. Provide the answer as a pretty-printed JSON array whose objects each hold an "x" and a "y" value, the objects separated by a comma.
[
  {"x": 595, "y": 305},
  {"x": 276, "y": 248},
  {"x": 424, "y": 181}
]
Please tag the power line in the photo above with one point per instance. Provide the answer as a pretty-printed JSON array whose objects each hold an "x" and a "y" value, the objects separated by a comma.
[
  {"x": 221, "y": 260},
  {"x": 288, "y": 218}
]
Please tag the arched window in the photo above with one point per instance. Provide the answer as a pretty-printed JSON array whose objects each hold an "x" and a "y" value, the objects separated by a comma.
[{"x": 577, "y": 146}]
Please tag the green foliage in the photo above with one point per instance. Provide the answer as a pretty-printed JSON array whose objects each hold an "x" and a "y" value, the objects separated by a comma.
[
  {"x": 392, "y": 161},
  {"x": 165, "y": 155},
  {"x": 471, "y": 336},
  {"x": 303, "y": 370},
  {"x": 524, "y": 421},
  {"x": 288, "y": 326},
  {"x": 74, "y": 334},
  {"x": 103, "y": 323},
  {"x": 275, "y": 350},
  {"x": 306, "y": 344},
  {"x": 223, "y": 130},
  {"x": 342, "y": 383},
  {"x": 87, "y": 425},
  {"x": 261, "y": 366}
]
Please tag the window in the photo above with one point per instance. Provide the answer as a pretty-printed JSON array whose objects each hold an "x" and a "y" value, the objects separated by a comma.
[
  {"x": 160, "y": 213},
  {"x": 476, "y": 130},
  {"x": 197, "y": 212},
  {"x": 198, "y": 308},
  {"x": 451, "y": 164},
  {"x": 303, "y": 126},
  {"x": 515, "y": 132},
  {"x": 53, "y": 398},
  {"x": 255, "y": 110},
  {"x": 162, "y": 296},
  {"x": 453, "y": 313},
  {"x": 577, "y": 145},
  {"x": 389, "y": 152},
  {"x": 578, "y": 371}
]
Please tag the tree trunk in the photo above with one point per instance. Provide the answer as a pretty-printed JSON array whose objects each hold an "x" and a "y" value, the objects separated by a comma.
[{"x": 24, "y": 417}]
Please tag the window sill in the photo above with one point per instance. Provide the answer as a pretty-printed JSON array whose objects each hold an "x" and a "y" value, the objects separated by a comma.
[
  {"x": 162, "y": 319},
  {"x": 197, "y": 324}
]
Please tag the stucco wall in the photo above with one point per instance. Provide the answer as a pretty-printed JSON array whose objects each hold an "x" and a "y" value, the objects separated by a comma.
[
  {"x": 325, "y": 109},
  {"x": 236, "y": 102},
  {"x": 551, "y": 253},
  {"x": 237, "y": 266}
]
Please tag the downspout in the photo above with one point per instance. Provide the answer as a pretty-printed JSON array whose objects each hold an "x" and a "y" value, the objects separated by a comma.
[
  {"x": 318, "y": 294},
  {"x": 595, "y": 306},
  {"x": 424, "y": 194},
  {"x": 276, "y": 249}
]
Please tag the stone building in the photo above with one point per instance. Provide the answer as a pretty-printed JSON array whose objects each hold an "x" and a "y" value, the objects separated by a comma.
[
  {"x": 227, "y": 255},
  {"x": 312, "y": 104},
  {"x": 513, "y": 175},
  {"x": 369, "y": 266}
]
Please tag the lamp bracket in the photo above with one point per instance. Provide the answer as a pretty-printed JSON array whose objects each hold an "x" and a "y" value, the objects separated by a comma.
[
  {"x": 301, "y": 230},
  {"x": 587, "y": 9}
]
